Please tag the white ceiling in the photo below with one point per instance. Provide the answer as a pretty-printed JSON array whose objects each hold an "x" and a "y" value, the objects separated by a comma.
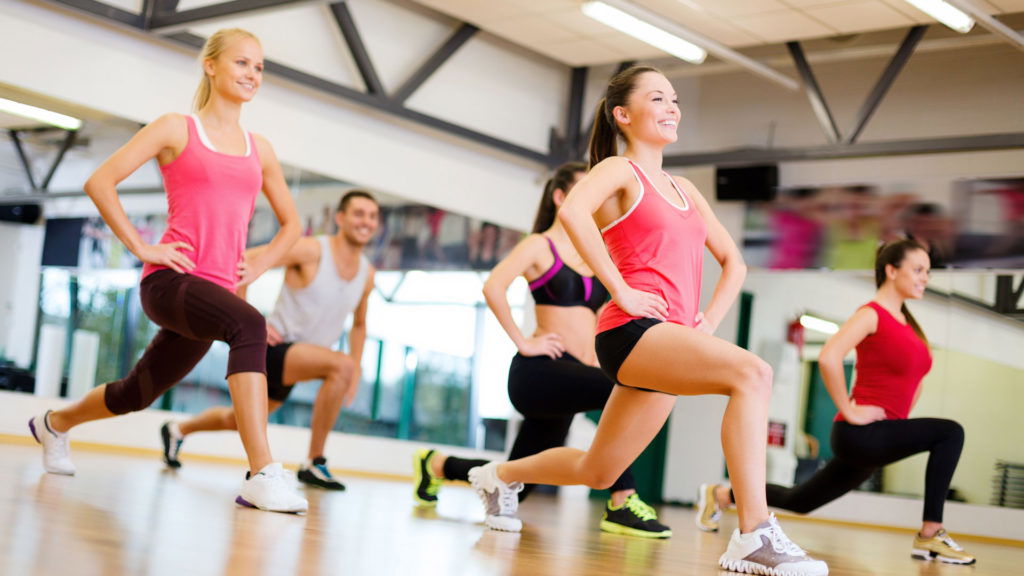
[{"x": 559, "y": 30}]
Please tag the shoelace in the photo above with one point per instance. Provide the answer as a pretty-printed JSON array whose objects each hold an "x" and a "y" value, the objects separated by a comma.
[
  {"x": 508, "y": 501},
  {"x": 641, "y": 509},
  {"x": 781, "y": 543},
  {"x": 946, "y": 539}
]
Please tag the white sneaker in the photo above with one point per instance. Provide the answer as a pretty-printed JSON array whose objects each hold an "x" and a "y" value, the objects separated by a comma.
[
  {"x": 56, "y": 450},
  {"x": 500, "y": 500},
  {"x": 767, "y": 550},
  {"x": 271, "y": 489}
]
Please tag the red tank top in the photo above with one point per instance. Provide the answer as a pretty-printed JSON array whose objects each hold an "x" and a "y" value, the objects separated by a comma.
[
  {"x": 210, "y": 200},
  {"x": 658, "y": 247},
  {"x": 890, "y": 365}
]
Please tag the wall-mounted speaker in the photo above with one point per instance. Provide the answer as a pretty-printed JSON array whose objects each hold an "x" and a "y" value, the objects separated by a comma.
[
  {"x": 757, "y": 183},
  {"x": 20, "y": 213}
]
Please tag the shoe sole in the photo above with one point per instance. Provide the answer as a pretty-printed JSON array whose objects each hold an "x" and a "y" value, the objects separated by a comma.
[
  {"x": 613, "y": 528},
  {"x": 702, "y": 502},
  {"x": 243, "y": 502},
  {"x": 513, "y": 525},
  {"x": 336, "y": 487},
  {"x": 928, "y": 556},
  {"x": 417, "y": 471},
  {"x": 745, "y": 567}
]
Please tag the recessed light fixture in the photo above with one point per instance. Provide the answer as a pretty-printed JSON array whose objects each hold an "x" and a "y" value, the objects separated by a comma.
[{"x": 40, "y": 115}]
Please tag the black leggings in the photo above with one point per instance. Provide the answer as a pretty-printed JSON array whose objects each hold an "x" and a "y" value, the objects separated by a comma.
[
  {"x": 191, "y": 313},
  {"x": 861, "y": 450},
  {"x": 548, "y": 393}
]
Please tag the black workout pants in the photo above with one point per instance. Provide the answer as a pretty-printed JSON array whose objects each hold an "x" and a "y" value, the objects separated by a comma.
[
  {"x": 548, "y": 393},
  {"x": 861, "y": 450}
]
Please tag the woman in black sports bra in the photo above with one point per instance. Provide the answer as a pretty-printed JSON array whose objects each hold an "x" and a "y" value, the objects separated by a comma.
[{"x": 554, "y": 375}]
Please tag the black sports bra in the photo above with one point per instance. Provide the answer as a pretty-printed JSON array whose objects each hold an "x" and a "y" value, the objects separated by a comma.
[{"x": 563, "y": 286}]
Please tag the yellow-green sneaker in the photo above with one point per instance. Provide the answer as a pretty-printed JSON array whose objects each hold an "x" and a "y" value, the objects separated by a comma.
[
  {"x": 634, "y": 518},
  {"x": 427, "y": 485},
  {"x": 942, "y": 547}
]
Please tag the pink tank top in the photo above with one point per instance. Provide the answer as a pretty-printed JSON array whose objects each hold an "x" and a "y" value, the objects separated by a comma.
[
  {"x": 658, "y": 247},
  {"x": 210, "y": 200}
]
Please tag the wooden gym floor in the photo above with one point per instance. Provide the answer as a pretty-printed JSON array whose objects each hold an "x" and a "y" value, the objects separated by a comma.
[{"x": 124, "y": 513}]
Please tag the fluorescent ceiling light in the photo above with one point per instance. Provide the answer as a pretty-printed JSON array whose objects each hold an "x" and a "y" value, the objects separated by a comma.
[
  {"x": 40, "y": 115},
  {"x": 818, "y": 325},
  {"x": 943, "y": 12},
  {"x": 644, "y": 31}
]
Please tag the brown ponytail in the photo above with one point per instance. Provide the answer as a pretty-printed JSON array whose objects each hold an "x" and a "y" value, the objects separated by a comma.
[
  {"x": 603, "y": 135},
  {"x": 561, "y": 180}
]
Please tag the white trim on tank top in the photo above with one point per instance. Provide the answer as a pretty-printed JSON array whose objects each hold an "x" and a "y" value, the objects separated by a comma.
[
  {"x": 639, "y": 197},
  {"x": 206, "y": 141}
]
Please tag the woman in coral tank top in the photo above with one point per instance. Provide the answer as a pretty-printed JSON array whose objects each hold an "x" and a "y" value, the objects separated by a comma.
[
  {"x": 872, "y": 428},
  {"x": 643, "y": 233},
  {"x": 213, "y": 170}
]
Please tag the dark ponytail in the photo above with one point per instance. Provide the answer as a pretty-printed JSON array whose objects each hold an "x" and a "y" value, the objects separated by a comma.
[
  {"x": 561, "y": 180},
  {"x": 892, "y": 254},
  {"x": 603, "y": 135}
]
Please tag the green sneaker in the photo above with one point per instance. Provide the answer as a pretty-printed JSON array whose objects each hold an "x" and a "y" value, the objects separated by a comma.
[
  {"x": 634, "y": 518},
  {"x": 427, "y": 485}
]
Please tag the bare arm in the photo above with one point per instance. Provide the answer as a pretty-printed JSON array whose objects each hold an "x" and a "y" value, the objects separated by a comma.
[
  {"x": 165, "y": 137},
  {"x": 600, "y": 190},
  {"x": 520, "y": 260},
  {"x": 276, "y": 190},
  {"x": 863, "y": 323},
  {"x": 357, "y": 339},
  {"x": 725, "y": 251}
]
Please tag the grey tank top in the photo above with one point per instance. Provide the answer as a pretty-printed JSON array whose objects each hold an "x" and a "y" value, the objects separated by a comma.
[{"x": 317, "y": 313}]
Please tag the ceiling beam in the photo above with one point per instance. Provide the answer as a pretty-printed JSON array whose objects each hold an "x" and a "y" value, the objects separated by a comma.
[
  {"x": 813, "y": 92},
  {"x": 436, "y": 60},
  {"x": 166, "y": 18},
  {"x": 889, "y": 75},
  {"x": 837, "y": 151},
  {"x": 349, "y": 30},
  {"x": 16, "y": 140}
]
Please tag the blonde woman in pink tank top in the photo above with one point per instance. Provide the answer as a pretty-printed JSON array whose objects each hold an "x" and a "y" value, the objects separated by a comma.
[
  {"x": 213, "y": 170},
  {"x": 643, "y": 233}
]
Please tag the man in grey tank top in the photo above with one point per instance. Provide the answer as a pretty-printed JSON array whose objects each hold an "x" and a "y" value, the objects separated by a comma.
[{"x": 327, "y": 278}]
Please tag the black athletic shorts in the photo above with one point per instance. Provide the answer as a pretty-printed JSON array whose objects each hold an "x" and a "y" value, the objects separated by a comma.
[
  {"x": 276, "y": 388},
  {"x": 614, "y": 346}
]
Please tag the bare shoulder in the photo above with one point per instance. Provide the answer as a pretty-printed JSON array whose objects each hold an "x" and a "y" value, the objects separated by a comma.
[
  {"x": 262, "y": 145},
  {"x": 169, "y": 127},
  {"x": 865, "y": 319}
]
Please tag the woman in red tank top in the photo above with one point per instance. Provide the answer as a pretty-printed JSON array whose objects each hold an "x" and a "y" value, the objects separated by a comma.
[
  {"x": 213, "y": 170},
  {"x": 653, "y": 341},
  {"x": 871, "y": 429}
]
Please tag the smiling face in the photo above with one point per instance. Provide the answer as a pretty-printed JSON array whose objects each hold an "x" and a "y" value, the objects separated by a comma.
[
  {"x": 358, "y": 222},
  {"x": 651, "y": 113},
  {"x": 236, "y": 72},
  {"x": 910, "y": 276}
]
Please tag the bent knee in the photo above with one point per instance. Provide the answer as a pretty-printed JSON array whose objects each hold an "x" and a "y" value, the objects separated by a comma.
[
  {"x": 250, "y": 327},
  {"x": 342, "y": 365},
  {"x": 754, "y": 377},
  {"x": 600, "y": 479}
]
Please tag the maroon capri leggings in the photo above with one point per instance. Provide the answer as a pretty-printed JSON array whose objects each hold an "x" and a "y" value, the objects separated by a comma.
[{"x": 192, "y": 313}]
